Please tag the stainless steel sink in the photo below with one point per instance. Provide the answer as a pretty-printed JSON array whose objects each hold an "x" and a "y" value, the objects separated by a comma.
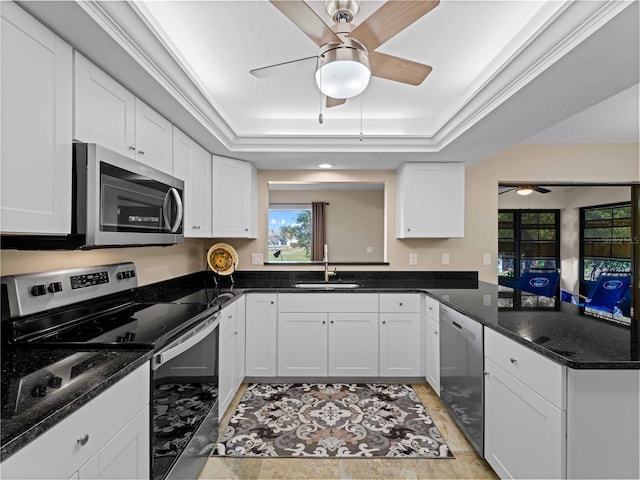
[{"x": 326, "y": 285}]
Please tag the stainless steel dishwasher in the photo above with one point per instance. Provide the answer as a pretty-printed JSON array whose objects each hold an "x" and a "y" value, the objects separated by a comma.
[{"x": 461, "y": 373}]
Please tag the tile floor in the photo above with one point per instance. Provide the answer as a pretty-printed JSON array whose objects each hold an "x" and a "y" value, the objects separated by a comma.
[{"x": 466, "y": 465}]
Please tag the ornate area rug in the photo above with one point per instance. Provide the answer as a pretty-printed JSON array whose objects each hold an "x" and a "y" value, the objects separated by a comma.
[{"x": 331, "y": 420}]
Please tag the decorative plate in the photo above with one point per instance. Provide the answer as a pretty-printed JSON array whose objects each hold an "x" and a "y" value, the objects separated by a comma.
[{"x": 222, "y": 258}]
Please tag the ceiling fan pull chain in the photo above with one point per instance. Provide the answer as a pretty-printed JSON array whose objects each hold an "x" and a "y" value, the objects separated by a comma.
[
  {"x": 321, "y": 117},
  {"x": 361, "y": 134}
]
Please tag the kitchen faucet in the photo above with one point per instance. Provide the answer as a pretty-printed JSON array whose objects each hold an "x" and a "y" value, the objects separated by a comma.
[{"x": 327, "y": 273}]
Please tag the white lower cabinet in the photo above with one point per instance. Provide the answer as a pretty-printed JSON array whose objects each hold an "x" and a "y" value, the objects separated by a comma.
[
  {"x": 525, "y": 426},
  {"x": 401, "y": 336},
  {"x": 302, "y": 344},
  {"x": 261, "y": 340},
  {"x": 106, "y": 438},
  {"x": 432, "y": 342},
  {"x": 231, "y": 348},
  {"x": 327, "y": 335}
]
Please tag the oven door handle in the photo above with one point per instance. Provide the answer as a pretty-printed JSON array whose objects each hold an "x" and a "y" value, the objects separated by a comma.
[{"x": 183, "y": 344}]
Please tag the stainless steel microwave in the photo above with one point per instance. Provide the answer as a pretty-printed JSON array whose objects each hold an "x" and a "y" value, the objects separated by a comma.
[{"x": 117, "y": 201}]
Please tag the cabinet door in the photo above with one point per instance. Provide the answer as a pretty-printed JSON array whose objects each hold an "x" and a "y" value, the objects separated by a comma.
[
  {"x": 400, "y": 344},
  {"x": 353, "y": 344},
  {"x": 430, "y": 200},
  {"x": 125, "y": 456},
  {"x": 524, "y": 433},
  {"x": 104, "y": 111},
  {"x": 154, "y": 135},
  {"x": 261, "y": 339},
  {"x": 227, "y": 368},
  {"x": 240, "y": 343},
  {"x": 234, "y": 209},
  {"x": 192, "y": 164},
  {"x": 36, "y": 89},
  {"x": 302, "y": 344},
  {"x": 433, "y": 355}
]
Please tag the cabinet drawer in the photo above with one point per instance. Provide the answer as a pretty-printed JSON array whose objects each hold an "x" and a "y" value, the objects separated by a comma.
[
  {"x": 328, "y": 302},
  {"x": 58, "y": 454},
  {"x": 400, "y": 302},
  {"x": 228, "y": 318},
  {"x": 432, "y": 308},
  {"x": 542, "y": 375}
]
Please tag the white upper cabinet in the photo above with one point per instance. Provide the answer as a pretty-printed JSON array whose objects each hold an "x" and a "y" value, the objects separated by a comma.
[
  {"x": 430, "y": 200},
  {"x": 108, "y": 114},
  {"x": 234, "y": 190},
  {"x": 192, "y": 164},
  {"x": 36, "y": 91},
  {"x": 154, "y": 135}
]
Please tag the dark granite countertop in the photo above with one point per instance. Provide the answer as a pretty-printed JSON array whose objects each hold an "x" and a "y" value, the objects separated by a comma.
[
  {"x": 564, "y": 335},
  {"x": 24, "y": 416}
]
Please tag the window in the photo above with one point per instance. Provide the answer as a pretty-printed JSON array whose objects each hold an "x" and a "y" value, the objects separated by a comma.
[
  {"x": 606, "y": 240},
  {"x": 606, "y": 245},
  {"x": 289, "y": 238},
  {"x": 527, "y": 240}
]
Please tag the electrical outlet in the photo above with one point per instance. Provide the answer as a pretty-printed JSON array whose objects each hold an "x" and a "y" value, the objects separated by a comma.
[
  {"x": 486, "y": 300},
  {"x": 256, "y": 259},
  {"x": 413, "y": 259},
  {"x": 369, "y": 249},
  {"x": 445, "y": 259},
  {"x": 486, "y": 259}
]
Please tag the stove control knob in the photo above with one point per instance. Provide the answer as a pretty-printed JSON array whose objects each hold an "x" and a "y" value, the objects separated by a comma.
[
  {"x": 130, "y": 336},
  {"x": 55, "y": 382},
  {"x": 39, "y": 391},
  {"x": 120, "y": 339},
  {"x": 55, "y": 287},
  {"x": 38, "y": 290}
]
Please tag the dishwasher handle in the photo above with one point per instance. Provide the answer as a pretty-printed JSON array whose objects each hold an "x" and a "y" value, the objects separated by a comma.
[{"x": 183, "y": 344}]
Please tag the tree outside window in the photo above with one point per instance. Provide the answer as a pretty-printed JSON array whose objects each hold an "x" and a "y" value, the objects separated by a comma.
[{"x": 290, "y": 233}]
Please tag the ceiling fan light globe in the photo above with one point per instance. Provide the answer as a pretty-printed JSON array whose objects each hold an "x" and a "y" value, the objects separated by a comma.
[
  {"x": 343, "y": 73},
  {"x": 524, "y": 191}
]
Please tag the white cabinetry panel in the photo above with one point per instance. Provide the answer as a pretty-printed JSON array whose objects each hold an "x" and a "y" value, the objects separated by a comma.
[
  {"x": 261, "y": 335},
  {"x": 36, "y": 89},
  {"x": 430, "y": 200}
]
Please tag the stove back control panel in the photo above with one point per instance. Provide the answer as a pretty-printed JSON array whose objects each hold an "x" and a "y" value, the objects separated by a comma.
[{"x": 36, "y": 292}]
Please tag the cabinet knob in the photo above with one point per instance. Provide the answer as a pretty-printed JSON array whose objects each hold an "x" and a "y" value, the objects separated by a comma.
[
  {"x": 272, "y": 302},
  {"x": 400, "y": 303},
  {"x": 384, "y": 321},
  {"x": 141, "y": 152},
  {"x": 435, "y": 333},
  {"x": 132, "y": 147},
  {"x": 82, "y": 441},
  {"x": 332, "y": 321},
  {"x": 513, "y": 360},
  {"x": 246, "y": 229},
  {"x": 486, "y": 374},
  {"x": 323, "y": 322}
]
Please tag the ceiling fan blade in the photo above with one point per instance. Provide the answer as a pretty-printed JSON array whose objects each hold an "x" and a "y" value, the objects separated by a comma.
[
  {"x": 334, "y": 102},
  {"x": 542, "y": 190},
  {"x": 306, "y": 20},
  {"x": 281, "y": 68},
  {"x": 504, "y": 189},
  {"x": 397, "y": 69},
  {"x": 390, "y": 19}
]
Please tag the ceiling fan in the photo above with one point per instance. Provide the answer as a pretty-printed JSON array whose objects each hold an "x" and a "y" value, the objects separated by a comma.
[
  {"x": 522, "y": 189},
  {"x": 347, "y": 57}
]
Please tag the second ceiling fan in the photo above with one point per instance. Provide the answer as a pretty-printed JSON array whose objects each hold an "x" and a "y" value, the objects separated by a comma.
[{"x": 347, "y": 57}]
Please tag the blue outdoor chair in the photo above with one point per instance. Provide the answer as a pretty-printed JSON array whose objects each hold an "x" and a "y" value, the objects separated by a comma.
[
  {"x": 538, "y": 282},
  {"x": 608, "y": 292}
]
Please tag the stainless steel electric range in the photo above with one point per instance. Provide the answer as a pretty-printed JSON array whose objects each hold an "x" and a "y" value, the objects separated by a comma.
[{"x": 95, "y": 307}]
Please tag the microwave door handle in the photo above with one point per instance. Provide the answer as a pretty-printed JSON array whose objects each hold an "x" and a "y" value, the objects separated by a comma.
[
  {"x": 180, "y": 212},
  {"x": 165, "y": 209},
  {"x": 163, "y": 357}
]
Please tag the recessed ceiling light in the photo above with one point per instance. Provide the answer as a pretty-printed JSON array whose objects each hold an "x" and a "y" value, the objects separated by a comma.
[{"x": 325, "y": 165}]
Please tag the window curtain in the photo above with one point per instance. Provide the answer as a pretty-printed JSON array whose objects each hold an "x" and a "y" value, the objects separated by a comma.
[{"x": 318, "y": 233}]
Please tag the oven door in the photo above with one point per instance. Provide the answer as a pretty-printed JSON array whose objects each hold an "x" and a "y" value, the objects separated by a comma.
[{"x": 185, "y": 402}]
